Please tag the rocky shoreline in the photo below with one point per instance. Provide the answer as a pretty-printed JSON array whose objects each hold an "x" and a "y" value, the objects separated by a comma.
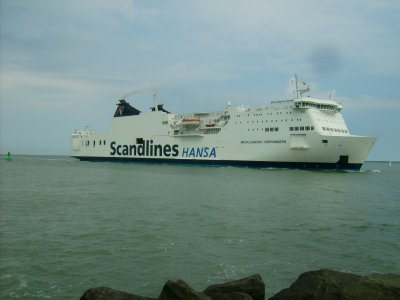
[{"x": 322, "y": 284}]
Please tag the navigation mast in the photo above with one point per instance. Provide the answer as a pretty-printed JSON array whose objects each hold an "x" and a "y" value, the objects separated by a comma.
[{"x": 301, "y": 90}]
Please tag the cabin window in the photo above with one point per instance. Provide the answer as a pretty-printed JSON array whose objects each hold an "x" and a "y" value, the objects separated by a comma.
[
  {"x": 324, "y": 141},
  {"x": 308, "y": 128},
  {"x": 266, "y": 129}
]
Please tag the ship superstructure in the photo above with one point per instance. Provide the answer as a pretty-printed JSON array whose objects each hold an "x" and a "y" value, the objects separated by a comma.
[{"x": 300, "y": 133}]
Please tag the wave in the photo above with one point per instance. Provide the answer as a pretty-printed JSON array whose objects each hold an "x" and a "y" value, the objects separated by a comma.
[{"x": 49, "y": 158}]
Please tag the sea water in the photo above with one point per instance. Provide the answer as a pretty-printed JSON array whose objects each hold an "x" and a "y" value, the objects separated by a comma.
[{"x": 66, "y": 225}]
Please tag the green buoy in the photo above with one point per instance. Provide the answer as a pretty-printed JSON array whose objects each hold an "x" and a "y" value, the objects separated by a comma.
[{"x": 9, "y": 157}]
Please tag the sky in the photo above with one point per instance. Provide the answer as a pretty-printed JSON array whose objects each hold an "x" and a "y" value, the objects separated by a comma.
[{"x": 64, "y": 64}]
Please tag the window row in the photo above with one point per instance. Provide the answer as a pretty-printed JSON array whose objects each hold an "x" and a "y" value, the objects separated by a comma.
[
  {"x": 87, "y": 143},
  {"x": 266, "y": 121},
  {"x": 334, "y": 130},
  {"x": 263, "y": 114},
  {"x": 268, "y": 129},
  {"x": 301, "y": 128}
]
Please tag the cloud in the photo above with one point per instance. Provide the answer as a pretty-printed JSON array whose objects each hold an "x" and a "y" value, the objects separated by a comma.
[
  {"x": 208, "y": 37},
  {"x": 370, "y": 102},
  {"x": 44, "y": 89},
  {"x": 287, "y": 33}
]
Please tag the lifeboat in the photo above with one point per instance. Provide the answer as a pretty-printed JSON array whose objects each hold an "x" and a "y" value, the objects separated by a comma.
[{"x": 190, "y": 121}]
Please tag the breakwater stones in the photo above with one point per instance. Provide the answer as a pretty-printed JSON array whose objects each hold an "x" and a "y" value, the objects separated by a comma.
[
  {"x": 332, "y": 285},
  {"x": 249, "y": 288},
  {"x": 314, "y": 285}
]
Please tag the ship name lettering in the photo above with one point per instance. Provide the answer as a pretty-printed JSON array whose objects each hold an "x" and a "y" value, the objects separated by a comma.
[
  {"x": 204, "y": 152},
  {"x": 147, "y": 148},
  {"x": 265, "y": 142}
]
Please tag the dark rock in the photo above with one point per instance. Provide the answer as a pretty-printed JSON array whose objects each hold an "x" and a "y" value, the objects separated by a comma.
[
  {"x": 180, "y": 290},
  {"x": 317, "y": 285},
  {"x": 377, "y": 286},
  {"x": 232, "y": 296},
  {"x": 105, "y": 293},
  {"x": 313, "y": 285},
  {"x": 333, "y": 285},
  {"x": 252, "y": 285}
]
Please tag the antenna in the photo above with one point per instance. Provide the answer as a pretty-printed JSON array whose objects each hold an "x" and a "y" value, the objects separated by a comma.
[
  {"x": 301, "y": 90},
  {"x": 155, "y": 103}
]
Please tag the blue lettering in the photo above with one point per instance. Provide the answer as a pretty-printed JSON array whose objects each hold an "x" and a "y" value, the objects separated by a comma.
[
  {"x": 192, "y": 153},
  {"x": 185, "y": 152},
  {"x": 213, "y": 153},
  {"x": 205, "y": 152},
  {"x": 199, "y": 152}
]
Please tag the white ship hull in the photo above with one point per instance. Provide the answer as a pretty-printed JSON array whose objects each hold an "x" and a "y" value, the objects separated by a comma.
[{"x": 302, "y": 133}]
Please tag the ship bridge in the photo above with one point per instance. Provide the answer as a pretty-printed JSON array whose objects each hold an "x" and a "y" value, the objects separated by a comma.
[{"x": 316, "y": 103}]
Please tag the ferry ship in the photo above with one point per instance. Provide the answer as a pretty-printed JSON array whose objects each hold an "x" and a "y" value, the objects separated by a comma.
[{"x": 304, "y": 133}]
